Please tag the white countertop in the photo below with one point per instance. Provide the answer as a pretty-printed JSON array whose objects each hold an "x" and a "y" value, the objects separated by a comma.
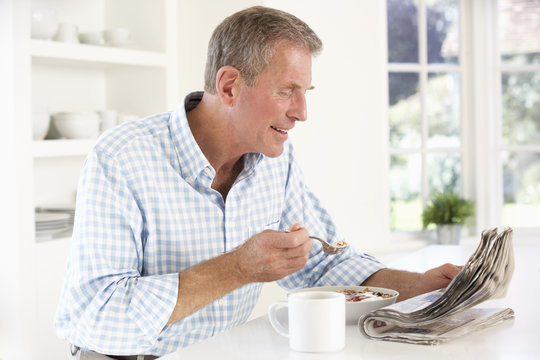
[{"x": 516, "y": 339}]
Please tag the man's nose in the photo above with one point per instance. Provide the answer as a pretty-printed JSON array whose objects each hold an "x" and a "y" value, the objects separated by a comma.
[{"x": 298, "y": 109}]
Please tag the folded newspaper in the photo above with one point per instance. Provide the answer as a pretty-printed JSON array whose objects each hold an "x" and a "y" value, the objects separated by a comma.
[{"x": 442, "y": 315}]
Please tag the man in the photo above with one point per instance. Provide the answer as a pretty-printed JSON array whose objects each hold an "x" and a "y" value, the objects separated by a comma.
[{"x": 182, "y": 216}]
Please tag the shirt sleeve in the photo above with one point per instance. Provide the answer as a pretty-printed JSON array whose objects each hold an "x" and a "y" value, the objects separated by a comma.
[
  {"x": 347, "y": 268},
  {"x": 113, "y": 307}
]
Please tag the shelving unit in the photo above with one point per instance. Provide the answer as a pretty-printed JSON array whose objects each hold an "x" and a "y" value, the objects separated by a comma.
[
  {"x": 81, "y": 77},
  {"x": 140, "y": 79}
]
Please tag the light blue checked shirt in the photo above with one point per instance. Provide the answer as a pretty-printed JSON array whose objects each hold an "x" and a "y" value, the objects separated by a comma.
[{"x": 146, "y": 211}]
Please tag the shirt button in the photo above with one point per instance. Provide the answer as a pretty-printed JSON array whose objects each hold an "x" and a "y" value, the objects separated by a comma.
[
  {"x": 221, "y": 301},
  {"x": 188, "y": 179}
]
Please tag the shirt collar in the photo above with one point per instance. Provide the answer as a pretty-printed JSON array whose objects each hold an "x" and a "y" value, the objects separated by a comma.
[
  {"x": 250, "y": 162},
  {"x": 190, "y": 156}
]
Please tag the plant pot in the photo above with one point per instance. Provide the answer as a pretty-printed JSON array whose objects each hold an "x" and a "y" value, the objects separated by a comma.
[{"x": 448, "y": 234}]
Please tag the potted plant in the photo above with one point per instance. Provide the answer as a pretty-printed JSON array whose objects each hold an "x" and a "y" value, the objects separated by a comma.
[{"x": 448, "y": 211}]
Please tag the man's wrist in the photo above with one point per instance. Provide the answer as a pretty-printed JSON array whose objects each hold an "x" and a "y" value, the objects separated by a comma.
[{"x": 238, "y": 274}]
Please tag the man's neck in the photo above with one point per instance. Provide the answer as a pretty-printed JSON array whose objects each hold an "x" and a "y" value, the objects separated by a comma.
[{"x": 209, "y": 127}]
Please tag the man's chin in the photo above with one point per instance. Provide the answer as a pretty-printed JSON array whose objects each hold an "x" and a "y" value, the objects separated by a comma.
[{"x": 273, "y": 153}]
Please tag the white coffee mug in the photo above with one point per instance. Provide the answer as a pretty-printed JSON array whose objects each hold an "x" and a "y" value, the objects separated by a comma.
[{"x": 316, "y": 321}]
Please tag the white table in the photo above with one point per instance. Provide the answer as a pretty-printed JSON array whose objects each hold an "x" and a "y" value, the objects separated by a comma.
[{"x": 516, "y": 339}]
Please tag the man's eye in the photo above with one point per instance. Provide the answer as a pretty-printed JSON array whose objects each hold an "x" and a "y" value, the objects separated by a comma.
[{"x": 285, "y": 94}]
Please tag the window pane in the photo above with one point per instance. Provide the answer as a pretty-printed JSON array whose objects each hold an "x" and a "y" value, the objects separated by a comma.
[
  {"x": 443, "y": 109},
  {"x": 402, "y": 18},
  {"x": 405, "y": 182},
  {"x": 444, "y": 172},
  {"x": 521, "y": 178},
  {"x": 521, "y": 108},
  {"x": 519, "y": 29},
  {"x": 405, "y": 130},
  {"x": 442, "y": 31}
]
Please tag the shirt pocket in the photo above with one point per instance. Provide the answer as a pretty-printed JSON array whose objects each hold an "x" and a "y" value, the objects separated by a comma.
[{"x": 272, "y": 224}]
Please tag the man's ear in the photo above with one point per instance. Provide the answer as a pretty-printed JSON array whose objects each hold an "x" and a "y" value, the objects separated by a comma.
[{"x": 228, "y": 82}]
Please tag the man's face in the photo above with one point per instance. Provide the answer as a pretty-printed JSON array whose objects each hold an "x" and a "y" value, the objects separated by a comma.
[{"x": 268, "y": 110}]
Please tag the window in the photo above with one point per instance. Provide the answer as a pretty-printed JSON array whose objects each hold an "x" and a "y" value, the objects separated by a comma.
[
  {"x": 464, "y": 108},
  {"x": 425, "y": 108}
]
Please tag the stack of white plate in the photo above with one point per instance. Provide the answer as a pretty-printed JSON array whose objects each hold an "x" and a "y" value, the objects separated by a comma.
[
  {"x": 61, "y": 209},
  {"x": 49, "y": 223}
]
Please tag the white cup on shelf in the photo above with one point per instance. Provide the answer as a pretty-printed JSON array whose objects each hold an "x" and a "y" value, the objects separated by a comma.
[
  {"x": 316, "y": 321},
  {"x": 67, "y": 33}
]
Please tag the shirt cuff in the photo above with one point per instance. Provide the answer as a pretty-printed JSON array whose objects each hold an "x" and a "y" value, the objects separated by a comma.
[
  {"x": 153, "y": 302},
  {"x": 354, "y": 270}
]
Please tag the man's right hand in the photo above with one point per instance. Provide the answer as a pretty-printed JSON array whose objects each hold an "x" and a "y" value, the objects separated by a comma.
[
  {"x": 272, "y": 255},
  {"x": 267, "y": 256}
]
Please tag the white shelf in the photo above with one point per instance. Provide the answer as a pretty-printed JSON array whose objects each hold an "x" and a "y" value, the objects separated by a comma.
[
  {"x": 61, "y": 148},
  {"x": 57, "y": 53}
]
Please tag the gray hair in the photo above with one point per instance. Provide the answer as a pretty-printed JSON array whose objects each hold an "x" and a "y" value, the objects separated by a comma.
[{"x": 246, "y": 40}]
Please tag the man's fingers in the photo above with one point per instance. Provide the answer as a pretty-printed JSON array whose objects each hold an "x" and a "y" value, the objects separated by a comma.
[
  {"x": 301, "y": 250},
  {"x": 289, "y": 240},
  {"x": 295, "y": 263},
  {"x": 272, "y": 255},
  {"x": 295, "y": 227},
  {"x": 450, "y": 270}
]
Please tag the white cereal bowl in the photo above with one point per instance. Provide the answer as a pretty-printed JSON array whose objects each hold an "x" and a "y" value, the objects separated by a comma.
[
  {"x": 353, "y": 310},
  {"x": 77, "y": 125},
  {"x": 43, "y": 24}
]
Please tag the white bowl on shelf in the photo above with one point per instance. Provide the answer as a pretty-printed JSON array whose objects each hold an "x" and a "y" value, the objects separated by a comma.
[
  {"x": 77, "y": 124},
  {"x": 43, "y": 23},
  {"x": 117, "y": 36},
  {"x": 40, "y": 124},
  {"x": 91, "y": 38}
]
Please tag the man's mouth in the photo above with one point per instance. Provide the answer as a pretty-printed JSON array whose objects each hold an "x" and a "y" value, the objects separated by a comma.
[{"x": 283, "y": 131}]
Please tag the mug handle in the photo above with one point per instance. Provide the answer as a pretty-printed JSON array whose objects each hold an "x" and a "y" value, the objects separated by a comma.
[{"x": 280, "y": 329}]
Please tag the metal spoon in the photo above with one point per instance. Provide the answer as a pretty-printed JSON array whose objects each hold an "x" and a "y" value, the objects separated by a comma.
[{"x": 330, "y": 249}]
